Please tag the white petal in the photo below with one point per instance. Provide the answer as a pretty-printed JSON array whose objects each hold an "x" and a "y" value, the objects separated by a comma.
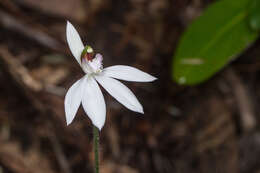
[
  {"x": 75, "y": 44},
  {"x": 120, "y": 92},
  {"x": 128, "y": 73},
  {"x": 93, "y": 102},
  {"x": 73, "y": 100}
]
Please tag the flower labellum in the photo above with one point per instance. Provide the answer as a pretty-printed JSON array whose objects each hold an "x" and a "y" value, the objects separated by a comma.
[
  {"x": 86, "y": 90},
  {"x": 87, "y": 53}
]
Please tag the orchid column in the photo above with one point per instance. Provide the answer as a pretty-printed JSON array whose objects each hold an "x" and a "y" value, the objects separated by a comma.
[{"x": 86, "y": 91}]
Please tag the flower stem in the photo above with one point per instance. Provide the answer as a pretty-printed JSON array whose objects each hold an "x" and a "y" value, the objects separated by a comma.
[{"x": 96, "y": 147}]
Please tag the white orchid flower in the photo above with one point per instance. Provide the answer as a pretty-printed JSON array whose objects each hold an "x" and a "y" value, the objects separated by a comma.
[{"x": 86, "y": 90}]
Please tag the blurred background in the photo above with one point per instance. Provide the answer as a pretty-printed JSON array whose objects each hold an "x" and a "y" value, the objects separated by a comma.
[{"x": 211, "y": 127}]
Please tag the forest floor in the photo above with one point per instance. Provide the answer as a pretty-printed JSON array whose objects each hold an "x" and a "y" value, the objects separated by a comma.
[{"x": 211, "y": 127}]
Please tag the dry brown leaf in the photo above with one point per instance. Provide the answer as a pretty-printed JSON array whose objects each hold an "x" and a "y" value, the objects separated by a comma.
[
  {"x": 111, "y": 167},
  {"x": 73, "y": 9},
  {"x": 50, "y": 75},
  {"x": 13, "y": 158}
]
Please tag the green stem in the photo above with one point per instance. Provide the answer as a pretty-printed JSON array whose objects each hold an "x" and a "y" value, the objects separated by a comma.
[{"x": 96, "y": 147}]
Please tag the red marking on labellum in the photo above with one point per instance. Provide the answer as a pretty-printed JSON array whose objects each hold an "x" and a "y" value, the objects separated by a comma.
[{"x": 88, "y": 56}]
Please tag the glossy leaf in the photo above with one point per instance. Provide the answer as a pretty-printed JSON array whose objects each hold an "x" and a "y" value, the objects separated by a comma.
[
  {"x": 254, "y": 15},
  {"x": 212, "y": 41}
]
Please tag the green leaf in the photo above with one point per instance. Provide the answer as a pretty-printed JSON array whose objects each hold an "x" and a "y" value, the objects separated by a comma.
[
  {"x": 212, "y": 41},
  {"x": 254, "y": 15}
]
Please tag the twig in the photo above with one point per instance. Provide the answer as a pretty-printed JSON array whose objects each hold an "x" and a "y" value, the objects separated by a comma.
[
  {"x": 9, "y": 22},
  {"x": 18, "y": 71},
  {"x": 113, "y": 141},
  {"x": 11, "y": 6},
  {"x": 63, "y": 162},
  {"x": 96, "y": 147},
  {"x": 243, "y": 100},
  {"x": 20, "y": 75}
]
